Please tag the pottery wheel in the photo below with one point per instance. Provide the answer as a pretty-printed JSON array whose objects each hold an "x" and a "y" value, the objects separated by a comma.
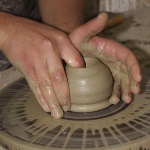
[{"x": 25, "y": 126}]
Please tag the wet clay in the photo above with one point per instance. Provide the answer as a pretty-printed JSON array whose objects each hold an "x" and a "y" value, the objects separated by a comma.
[
  {"x": 25, "y": 126},
  {"x": 90, "y": 87}
]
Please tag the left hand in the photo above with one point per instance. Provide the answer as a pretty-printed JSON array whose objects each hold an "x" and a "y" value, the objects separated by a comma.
[{"x": 120, "y": 60}]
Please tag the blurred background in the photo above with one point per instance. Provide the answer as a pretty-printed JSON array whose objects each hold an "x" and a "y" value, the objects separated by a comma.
[{"x": 128, "y": 23}]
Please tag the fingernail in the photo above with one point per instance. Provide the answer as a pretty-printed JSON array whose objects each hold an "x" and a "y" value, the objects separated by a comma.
[
  {"x": 135, "y": 88},
  {"x": 139, "y": 78},
  {"x": 63, "y": 99},
  {"x": 65, "y": 103},
  {"x": 73, "y": 63},
  {"x": 127, "y": 99},
  {"x": 114, "y": 100},
  {"x": 102, "y": 15},
  {"x": 57, "y": 113}
]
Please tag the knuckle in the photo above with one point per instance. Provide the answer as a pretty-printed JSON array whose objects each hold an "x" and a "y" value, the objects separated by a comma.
[
  {"x": 45, "y": 82},
  {"x": 46, "y": 43},
  {"x": 61, "y": 37},
  {"x": 34, "y": 79},
  {"x": 58, "y": 75}
]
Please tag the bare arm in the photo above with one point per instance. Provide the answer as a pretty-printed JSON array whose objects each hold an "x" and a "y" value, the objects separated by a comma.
[
  {"x": 37, "y": 50},
  {"x": 65, "y": 15}
]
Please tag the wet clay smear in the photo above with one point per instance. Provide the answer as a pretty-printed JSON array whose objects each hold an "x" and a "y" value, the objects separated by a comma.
[{"x": 25, "y": 126}]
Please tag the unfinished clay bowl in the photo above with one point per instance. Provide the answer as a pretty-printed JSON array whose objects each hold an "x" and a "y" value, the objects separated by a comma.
[{"x": 90, "y": 87}]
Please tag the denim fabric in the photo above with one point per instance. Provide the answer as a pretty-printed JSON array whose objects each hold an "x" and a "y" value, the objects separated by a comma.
[{"x": 24, "y": 8}]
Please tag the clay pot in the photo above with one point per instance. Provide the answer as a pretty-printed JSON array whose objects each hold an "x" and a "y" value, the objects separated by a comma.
[{"x": 90, "y": 87}]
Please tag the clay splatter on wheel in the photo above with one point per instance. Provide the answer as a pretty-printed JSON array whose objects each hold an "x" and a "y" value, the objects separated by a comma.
[{"x": 24, "y": 125}]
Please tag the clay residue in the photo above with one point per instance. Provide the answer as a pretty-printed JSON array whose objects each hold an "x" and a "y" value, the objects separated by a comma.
[
  {"x": 26, "y": 126},
  {"x": 8, "y": 76}
]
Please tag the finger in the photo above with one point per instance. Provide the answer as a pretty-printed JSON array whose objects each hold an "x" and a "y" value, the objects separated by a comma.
[
  {"x": 126, "y": 91},
  {"x": 29, "y": 72},
  {"x": 89, "y": 29},
  {"x": 47, "y": 89},
  {"x": 117, "y": 52},
  {"x": 64, "y": 48},
  {"x": 115, "y": 97},
  {"x": 59, "y": 81},
  {"x": 135, "y": 87},
  {"x": 33, "y": 83},
  {"x": 118, "y": 66},
  {"x": 133, "y": 67},
  {"x": 71, "y": 55},
  {"x": 134, "y": 74},
  {"x": 135, "y": 84}
]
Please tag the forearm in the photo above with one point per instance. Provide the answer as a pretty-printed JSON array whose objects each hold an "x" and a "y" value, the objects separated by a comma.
[
  {"x": 3, "y": 28},
  {"x": 65, "y": 15},
  {"x": 8, "y": 23}
]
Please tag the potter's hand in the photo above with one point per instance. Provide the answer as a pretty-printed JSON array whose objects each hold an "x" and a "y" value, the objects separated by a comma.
[
  {"x": 120, "y": 60},
  {"x": 36, "y": 50}
]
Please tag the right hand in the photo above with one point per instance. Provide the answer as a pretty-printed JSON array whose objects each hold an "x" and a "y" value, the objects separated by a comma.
[{"x": 37, "y": 51}]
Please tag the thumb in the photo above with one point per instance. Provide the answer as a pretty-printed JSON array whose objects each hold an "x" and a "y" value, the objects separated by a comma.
[
  {"x": 71, "y": 55},
  {"x": 89, "y": 29}
]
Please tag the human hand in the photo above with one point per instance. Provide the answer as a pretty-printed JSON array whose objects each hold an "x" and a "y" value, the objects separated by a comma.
[
  {"x": 120, "y": 60},
  {"x": 36, "y": 50}
]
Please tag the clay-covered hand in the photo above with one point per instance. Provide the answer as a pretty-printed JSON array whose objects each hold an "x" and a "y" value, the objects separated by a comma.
[
  {"x": 120, "y": 60},
  {"x": 37, "y": 51}
]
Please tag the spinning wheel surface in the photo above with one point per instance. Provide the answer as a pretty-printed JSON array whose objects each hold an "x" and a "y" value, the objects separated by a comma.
[{"x": 25, "y": 126}]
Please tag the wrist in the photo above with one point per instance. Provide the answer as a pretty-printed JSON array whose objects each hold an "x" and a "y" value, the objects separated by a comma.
[
  {"x": 3, "y": 23},
  {"x": 6, "y": 23}
]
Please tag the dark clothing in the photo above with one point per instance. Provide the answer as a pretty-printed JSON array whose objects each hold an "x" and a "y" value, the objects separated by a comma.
[{"x": 23, "y": 8}]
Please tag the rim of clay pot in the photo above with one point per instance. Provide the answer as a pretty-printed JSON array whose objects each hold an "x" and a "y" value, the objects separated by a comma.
[
  {"x": 90, "y": 70},
  {"x": 90, "y": 62}
]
